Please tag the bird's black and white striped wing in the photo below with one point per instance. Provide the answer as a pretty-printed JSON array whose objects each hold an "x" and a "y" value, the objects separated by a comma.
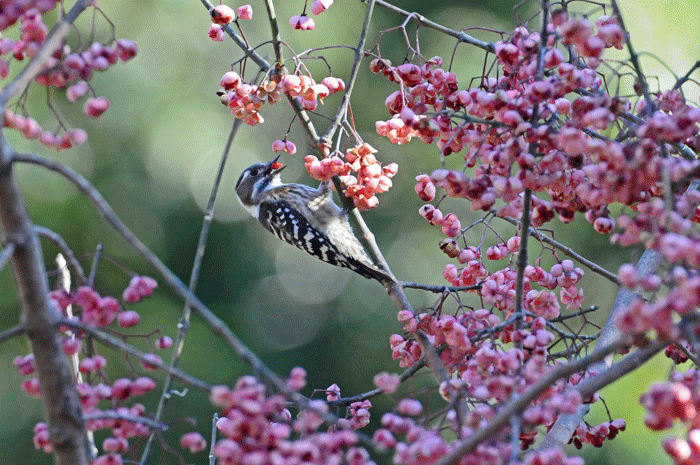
[{"x": 278, "y": 217}]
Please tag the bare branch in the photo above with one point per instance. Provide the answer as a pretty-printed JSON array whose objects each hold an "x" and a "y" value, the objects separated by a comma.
[
  {"x": 359, "y": 53},
  {"x": 123, "y": 416},
  {"x": 68, "y": 254},
  {"x": 568, "y": 251},
  {"x": 59, "y": 396},
  {"x": 122, "y": 346},
  {"x": 423, "y": 21},
  {"x": 437, "y": 289},
  {"x": 11, "y": 332},
  {"x": 6, "y": 253},
  {"x": 565, "y": 425}
]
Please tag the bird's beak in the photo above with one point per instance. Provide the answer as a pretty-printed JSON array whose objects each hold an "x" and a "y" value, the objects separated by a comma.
[{"x": 274, "y": 167}]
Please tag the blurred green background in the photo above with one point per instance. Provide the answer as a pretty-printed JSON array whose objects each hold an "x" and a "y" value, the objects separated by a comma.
[{"x": 153, "y": 156}]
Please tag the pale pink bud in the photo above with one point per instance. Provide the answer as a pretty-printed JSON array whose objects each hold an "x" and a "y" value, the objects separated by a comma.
[
  {"x": 216, "y": 33},
  {"x": 164, "y": 342},
  {"x": 128, "y": 318},
  {"x": 245, "y": 12},
  {"x": 193, "y": 441},
  {"x": 319, "y": 6},
  {"x": 302, "y": 22},
  {"x": 77, "y": 90},
  {"x": 96, "y": 106},
  {"x": 222, "y": 14}
]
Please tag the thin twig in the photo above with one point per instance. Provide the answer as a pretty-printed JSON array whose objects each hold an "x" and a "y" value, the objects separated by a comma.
[
  {"x": 522, "y": 255},
  {"x": 425, "y": 22},
  {"x": 634, "y": 58},
  {"x": 567, "y": 251},
  {"x": 111, "y": 414},
  {"x": 6, "y": 253},
  {"x": 65, "y": 250},
  {"x": 274, "y": 32},
  {"x": 123, "y": 347},
  {"x": 409, "y": 372},
  {"x": 327, "y": 138},
  {"x": 184, "y": 322},
  {"x": 437, "y": 289},
  {"x": 11, "y": 332}
]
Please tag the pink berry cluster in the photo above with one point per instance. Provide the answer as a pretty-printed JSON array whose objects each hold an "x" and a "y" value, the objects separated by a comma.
[
  {"x": 360, "y": 171},
  {"x": 102, "y": 311},
  {"x": 13, "y": 11},
  {"x": 259, "y": 429},
  {"x": 139, "y": 288},
  {"x": 60, "y": 70},
  {"x": 222, "y": 15},
  {"x": 498, "y": 288},
  {"x": 245, "y": 100},
  {"x": 100, "y": 399},
  {"x": 115, "y": 418},
  {"x": 550, "y": 126},
  {"x": 306, "y": 23},
  {"x": 596, "y": 435},
  {"x": 413, "y": 442},
  {"x": 676, "y": 400},
  {"x": 661, "y": 313},
  {"x": 493, "y": 125}
]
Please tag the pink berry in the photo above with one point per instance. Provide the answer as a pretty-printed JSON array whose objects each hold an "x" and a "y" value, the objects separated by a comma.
[
  {"x": 128, "y": 318},
  {"x": 319, "y": 6},
  {"x": 302, "y": 22},
  {"x": 96, "y": 106},
  {"x": 245, "y": 12},
  {"x": 222, "y": 14}
]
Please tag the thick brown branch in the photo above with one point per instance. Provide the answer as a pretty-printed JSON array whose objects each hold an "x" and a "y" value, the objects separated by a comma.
[{"x": 60, "y": 400}]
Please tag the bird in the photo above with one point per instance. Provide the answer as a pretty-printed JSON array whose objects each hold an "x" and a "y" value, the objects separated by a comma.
[{"x": 305, "y": 217}]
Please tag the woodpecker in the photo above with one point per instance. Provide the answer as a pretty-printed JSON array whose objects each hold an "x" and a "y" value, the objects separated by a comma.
[{"x": 304, "y": 217}]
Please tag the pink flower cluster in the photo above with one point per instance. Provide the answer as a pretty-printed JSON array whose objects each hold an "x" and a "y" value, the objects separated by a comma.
[
  {"x": 361, "y": 173},
  {"x": 660, "y": 314},
  {"x": 62, "y": 68},
  {"x": 260, "y": 429},
  {"x": 413, "y": 443},
  {"x": 245, "y": 100},
  {"x": 678, "y": 399},
  {"x": 101, "y": 311},
  {"x": 570, "y": 171},
  {"x": 596, "y": 435},
  {"x": 306, "y": 23}
]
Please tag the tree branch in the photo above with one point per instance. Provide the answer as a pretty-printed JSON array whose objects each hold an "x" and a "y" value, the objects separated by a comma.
[
  {"x": 61, "y": 404},
  {"x": 123, "y": 347},
  {"x": 62, "y": 246},
  {"x": 423, "y": 21},
  {"x": 565, "y": 425}
]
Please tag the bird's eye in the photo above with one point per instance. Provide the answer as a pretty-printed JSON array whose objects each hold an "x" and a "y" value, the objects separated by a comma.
[{"x": 253, "y": 171}]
